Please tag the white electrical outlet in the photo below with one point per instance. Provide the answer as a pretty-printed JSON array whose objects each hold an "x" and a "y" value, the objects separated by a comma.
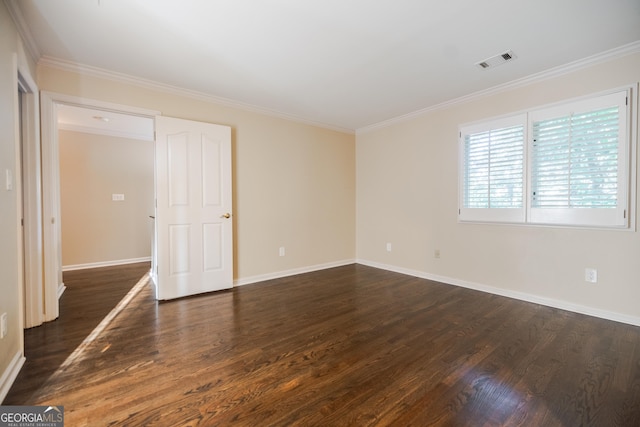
[
  {"x": 591, "y": 275},
  {"x": 117, "y": 197},
  {"x": 3, "y": 325},
  {"x": 436, "y": 253},
  {"x": 281, "y": 251},
  {"x": 388, "y": 247}
]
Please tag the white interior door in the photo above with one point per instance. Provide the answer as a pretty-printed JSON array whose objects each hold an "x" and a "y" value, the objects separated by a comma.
[{"x": 193, "y": 212}]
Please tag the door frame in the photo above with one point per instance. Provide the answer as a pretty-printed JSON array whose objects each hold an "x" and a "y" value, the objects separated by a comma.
[
  {"x": 31, "y": 192},
  {"x": 52, "y": 231}
]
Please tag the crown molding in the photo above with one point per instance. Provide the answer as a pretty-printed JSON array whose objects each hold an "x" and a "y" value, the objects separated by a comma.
[
  {"x": 571, "y": 67},
  {"x": 23, "y": 29},
  {"x": 47, "y": 61}
]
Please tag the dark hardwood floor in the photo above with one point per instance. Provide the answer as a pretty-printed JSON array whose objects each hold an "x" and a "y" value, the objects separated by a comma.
[
  {"x": 90, "y": 295},
  {"x": 348, "y": 346}
]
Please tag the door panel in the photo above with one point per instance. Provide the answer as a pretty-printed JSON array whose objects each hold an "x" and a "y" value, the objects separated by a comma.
[
  {"x": 212, "y": 247},
  {"x": 178, "y": 169},
  {"x": 212, "y": 180},
  {"x": 193, "y": 190}
]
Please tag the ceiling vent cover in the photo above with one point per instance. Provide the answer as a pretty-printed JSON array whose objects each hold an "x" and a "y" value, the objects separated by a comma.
[{"x": 496, "y": 60}]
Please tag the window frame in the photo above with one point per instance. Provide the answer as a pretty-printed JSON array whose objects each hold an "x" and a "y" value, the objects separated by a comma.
[
  {"x": 610, "y": 218},
  {"x": 508, "y": 215}
]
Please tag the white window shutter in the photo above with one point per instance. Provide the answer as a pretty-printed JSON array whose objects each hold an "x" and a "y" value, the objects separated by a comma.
[
  {"x": 579, "y": 163},
  {"x": 492, "y": 164}
]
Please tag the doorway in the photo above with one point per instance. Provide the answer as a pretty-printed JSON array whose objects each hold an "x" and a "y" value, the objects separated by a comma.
[
  {"x": 52, "y": 230},
  {"x": 54, "y": 285}
]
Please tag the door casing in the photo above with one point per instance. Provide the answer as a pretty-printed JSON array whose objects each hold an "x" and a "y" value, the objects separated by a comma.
[{"x": 31, "y": 193}]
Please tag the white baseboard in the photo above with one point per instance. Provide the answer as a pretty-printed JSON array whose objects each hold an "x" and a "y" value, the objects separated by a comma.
[
  {"x": 522, "y": 296},
  {"x": 153, "y": 278},
  {"x": 292, "y": 272},
  {"x": 10, "y": 374},
  {"x": 61, "y": 289},
  {"x": 105, "y": 264}
]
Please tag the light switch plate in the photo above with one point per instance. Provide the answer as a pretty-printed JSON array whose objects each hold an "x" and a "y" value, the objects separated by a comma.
[
  {"x": 9, "y": 179},
  {"x": 3, "y": 325}
]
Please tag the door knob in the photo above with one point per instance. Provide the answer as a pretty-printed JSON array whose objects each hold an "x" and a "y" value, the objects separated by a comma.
[{"x": 227, "y": 215}]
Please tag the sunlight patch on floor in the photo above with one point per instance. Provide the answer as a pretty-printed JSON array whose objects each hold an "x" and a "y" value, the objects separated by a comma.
[{"x": 78, "y": 353}]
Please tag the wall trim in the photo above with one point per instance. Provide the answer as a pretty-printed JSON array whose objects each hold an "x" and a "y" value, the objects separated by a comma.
[
  {"x": 10, "y": 374},
  {"x": 522, "y": 296},
  {"x": 292, "y": 272},
  {"x": 23, "y": 29},
  {"x": 90, "y": 103},
  {"x": 561, "y": 70},
  {"x": 32, "y": 298},
  {"x": 105, "y": 263},
  {"x": 64, "y": 65}
]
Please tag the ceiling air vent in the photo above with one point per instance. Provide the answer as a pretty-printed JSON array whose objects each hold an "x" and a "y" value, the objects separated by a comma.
[{"x": 496, "y": 60}]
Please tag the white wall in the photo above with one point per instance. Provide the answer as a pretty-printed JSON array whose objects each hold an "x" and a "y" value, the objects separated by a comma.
[
  {"x": 407, "y": 194},
  {"x": 95, "y": 229}
]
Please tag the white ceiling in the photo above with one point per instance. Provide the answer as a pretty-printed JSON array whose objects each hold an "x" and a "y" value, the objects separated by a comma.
[
  {"x": 81, "y": 119},
  {"x": 346, "y": 64}
]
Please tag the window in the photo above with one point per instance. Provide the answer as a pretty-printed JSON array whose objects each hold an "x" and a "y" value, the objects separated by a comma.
[
  {"x": 565, "y": 165},
  {"x": 493, "y": 171}
]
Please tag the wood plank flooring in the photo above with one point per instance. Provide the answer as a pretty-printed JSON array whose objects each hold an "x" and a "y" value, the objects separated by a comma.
[
  {"x": 90, "y": 295},
  {"x": 349, "y": 346}
]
